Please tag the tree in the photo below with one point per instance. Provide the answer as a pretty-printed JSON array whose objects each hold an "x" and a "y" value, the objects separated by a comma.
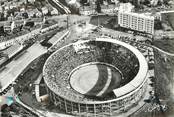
[
  {"x": 25, "y": 15},
  {"x": 2, "y": 18},
  {"x": 98, "y": 7},
  {"x": 1, "y": 30},
  {"x": 49, "y": 13},
  {"x": 158, "y": 24},
  {"x": 166, "y": 2},
  {"x": 84, "y": 2},
  {"x": 124, "y": 1},
  {"x": 146, "y": 2}
]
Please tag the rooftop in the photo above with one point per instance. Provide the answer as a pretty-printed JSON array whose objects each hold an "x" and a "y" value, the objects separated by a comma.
[
  {"x": 148, "y": 16},
  {"x": 12, "y": 49}
]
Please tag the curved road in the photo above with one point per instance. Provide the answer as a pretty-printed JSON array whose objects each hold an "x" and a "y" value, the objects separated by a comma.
[
  {"x": 117, "y": 33},
  {"x": 167, "y": 53}
]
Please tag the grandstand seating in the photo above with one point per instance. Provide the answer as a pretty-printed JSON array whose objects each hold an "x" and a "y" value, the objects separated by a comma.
[{"x": 63, "y": 61}]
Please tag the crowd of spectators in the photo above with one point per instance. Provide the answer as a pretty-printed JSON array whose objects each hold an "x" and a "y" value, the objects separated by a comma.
[
  {"x": 60, "y": 64},
  {"x": 143, "y": 46}
]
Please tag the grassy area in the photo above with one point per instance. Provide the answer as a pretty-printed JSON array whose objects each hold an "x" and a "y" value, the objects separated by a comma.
[
  {"x": 164, "y": 74},
  {"x": 169, "y": 17},
  {"x": 166, "y": 45},
  {"x": 28, "y": 78},
  {"x": 164, "y": 80},
  {"x": 164, "y": 68}
]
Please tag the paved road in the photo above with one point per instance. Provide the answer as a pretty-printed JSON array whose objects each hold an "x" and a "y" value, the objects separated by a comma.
[
  {"x": 164, "y": 52},
  {"x": 116, "y": 33},
  {"x": 120, "y": 33},
  {"x": 15, "y": 67},
  {"x": 28, "y": 107}
]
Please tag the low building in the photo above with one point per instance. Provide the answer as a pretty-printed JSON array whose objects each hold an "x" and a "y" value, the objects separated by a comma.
[
  {"x": 88, "y": 10},
  {"x": 13, "y": 6},
  {"x": 8, "y": 27},
  {"x": 22, "y": 9},
  {"x": 107, "y": 9},
  {"x": 135, "y": 21},
  {"x": 6, "y": 8},
  {"x": 126, "y": 7},
  {"x": 38, "y": 20},
  {"x": 10, "y": 18},
  {"x": 11, "y": 26},
  {"x": 34, "y": 13},
  {"x": 13, "y": 50},
  {"x": 155, "y": 2},
  {"x": 18, "y": 23},
  {"x": 54, "y": 12},
  {"x": 44, "y": 10},
  {"x": 18, "y": 15}
]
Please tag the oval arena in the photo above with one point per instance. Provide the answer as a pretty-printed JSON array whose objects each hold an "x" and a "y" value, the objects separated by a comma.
[{"x": 101, "y": 77}]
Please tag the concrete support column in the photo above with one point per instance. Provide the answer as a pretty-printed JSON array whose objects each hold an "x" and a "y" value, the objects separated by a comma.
[
  {"x": 79, "y": 107},
  {"x": 72, "y": 107},
  {"x": 94, "y": 110},
  {"x": 65, "y": 106}
]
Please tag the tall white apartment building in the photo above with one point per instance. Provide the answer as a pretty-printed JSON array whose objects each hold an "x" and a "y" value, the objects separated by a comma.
[{"x": 135, "y": 21}]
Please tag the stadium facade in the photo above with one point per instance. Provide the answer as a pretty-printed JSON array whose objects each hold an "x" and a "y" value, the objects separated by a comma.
[{"x": 120, "y": 100}]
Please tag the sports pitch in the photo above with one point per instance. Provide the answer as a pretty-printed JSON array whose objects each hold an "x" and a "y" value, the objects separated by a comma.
[{"x": 95, "y": 79}]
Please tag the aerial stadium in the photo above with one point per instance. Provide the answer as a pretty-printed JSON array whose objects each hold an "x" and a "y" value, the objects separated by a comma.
[{"x": 99, "y": 77}]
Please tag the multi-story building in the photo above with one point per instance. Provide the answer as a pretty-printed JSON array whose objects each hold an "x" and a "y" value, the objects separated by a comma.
[
  {"x": 87, "y": 10},
  {"x": 135, "y": 21},
  {"x": 107, "y": 9}
]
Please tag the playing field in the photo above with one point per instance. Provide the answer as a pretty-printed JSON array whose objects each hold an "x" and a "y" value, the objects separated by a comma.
[{"x": 95, "y": 79}]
